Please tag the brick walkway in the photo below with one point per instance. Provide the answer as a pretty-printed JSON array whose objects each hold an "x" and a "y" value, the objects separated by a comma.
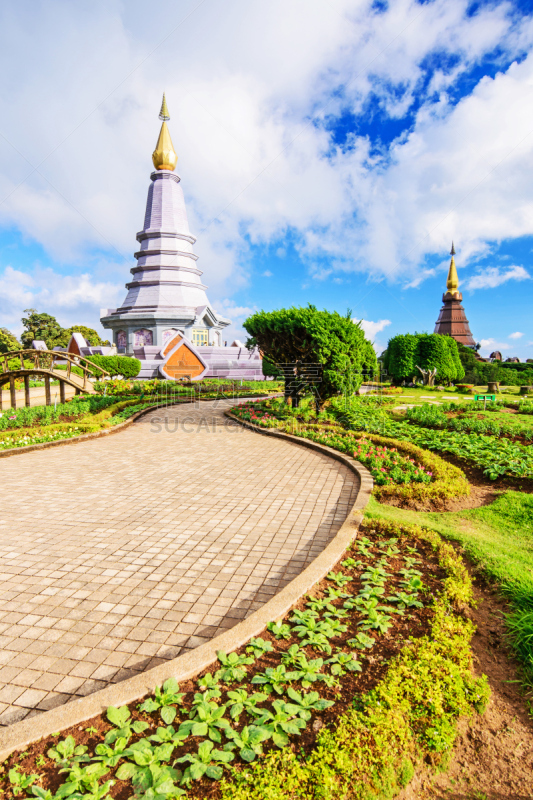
[{"x": 121, "y": 552}]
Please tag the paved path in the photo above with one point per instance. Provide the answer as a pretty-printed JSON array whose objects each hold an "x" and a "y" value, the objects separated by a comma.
[{"x": 121, "y": 552}]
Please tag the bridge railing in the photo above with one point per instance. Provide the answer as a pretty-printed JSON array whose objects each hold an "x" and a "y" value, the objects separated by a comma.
[{"x": 46, "y": 361}]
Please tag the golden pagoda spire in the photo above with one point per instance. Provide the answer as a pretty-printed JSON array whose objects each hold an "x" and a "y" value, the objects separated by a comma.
[
  {"x": 452, "y": 284},
  {"x": 164, "y": 155}
]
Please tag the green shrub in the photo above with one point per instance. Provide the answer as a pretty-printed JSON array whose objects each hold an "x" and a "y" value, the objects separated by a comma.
[
  {"x": 333, "y": 344},
  {"x": 117, "y": 365},
  {"x": 406, "y": 352}
]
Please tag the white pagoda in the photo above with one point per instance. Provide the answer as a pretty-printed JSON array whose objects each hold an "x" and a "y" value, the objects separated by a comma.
[
  {"x": 166, "y": 293},
  {"x": 166, "y": 302}
]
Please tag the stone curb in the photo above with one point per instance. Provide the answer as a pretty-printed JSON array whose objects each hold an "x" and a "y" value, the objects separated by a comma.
[
  {"x": 13, "y": 451},
  {"x": 21, "y": 734}
]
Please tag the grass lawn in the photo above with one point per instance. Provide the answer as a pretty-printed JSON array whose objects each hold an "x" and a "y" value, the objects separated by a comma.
[
  {"x": 424, "y": 394},
  {"x": 499, "y": 539}
]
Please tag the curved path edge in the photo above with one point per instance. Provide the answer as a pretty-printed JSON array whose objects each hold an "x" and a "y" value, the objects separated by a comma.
[
  {"x": 14, "y": 451},
  {"x": 22, "y": 734}
]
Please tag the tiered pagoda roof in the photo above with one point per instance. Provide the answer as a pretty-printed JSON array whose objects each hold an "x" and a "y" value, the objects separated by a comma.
[{"x": 452, "y": 318}]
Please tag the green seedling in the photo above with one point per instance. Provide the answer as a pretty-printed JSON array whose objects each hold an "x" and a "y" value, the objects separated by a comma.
[
  {"x": 259, "y": 646},
  {"x": 362, "y": 641},
  {"x": 376, "y": 621},
  {"x": 239, "y": 700},
  {"x": 208, "y": 682},
  {"x": 335, "y": 594},
  {"x": 40, "y": 761},
  {"x": 280, "y": 630},
  {"x": 281, "y": 723},
  {"x": 110, "y": 756},
  {"x": 45, "y": 794},
  {"x": 81, "y": 778},
  {"x": 319, "y": 604},
  {"x": 165, "y": 698},
  {"x": 413, "y": 584},
  {"x": 232, "y": 666},
  {"x": 341, "y": 662},
  {"x": 331, "y": 627},
  {"x": 405, "y": 600},
  {"x": 291, "y": 657},
  {"x": 375, "y": 575},
  {"x": 124, "y": 727},
  {"x": 153, "y": 782},
  {"x": 95, "y": 792},
  {"x": 207, "y": 696},
  {"x": 20, "y": 781},
  {"x": 338, "y": 613},
  {"x": 207, "y": 719},
  {"x": 318, "y": 641},
  {"x": 308, "y": 672},
  {"x": 351, "y": 563},
  {"x": 204, "y": 763},
  {"x": 66, "y": 752},
  {"x": 249, "y": 741},
  {"x": 303, "y": 617},
  {"x": 273, "y": 679},
  {"x": 364, "y": 546},
  {"x": 368, "y": 591},
  {"x": 305, "y": 703},
  {"x": 91, "y": 729},
  {"x": 167, "y": 735},
  {"x": 340, "y": 578},
  {"x": 144, "y": 754}
]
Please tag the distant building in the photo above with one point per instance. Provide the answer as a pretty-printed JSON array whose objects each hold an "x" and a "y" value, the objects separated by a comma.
[
  {"x": 452, "y": 318},
  {"x": 166, "y": 319}
]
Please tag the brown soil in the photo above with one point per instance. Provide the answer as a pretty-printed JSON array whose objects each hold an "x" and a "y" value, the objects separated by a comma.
[
  {"x": 493, "y": 754},
  {"x": 479, "y": 496}
]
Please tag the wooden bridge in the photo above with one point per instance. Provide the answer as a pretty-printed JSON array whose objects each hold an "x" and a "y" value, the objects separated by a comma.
[{"x": 45, "y": 363}]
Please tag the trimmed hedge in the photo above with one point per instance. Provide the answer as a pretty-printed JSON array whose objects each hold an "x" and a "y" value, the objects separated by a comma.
[
  {"x": 411, "y": 716},
  {"x": 116, "y": 365}
]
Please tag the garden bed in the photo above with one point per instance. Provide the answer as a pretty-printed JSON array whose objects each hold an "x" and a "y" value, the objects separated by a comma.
[{"x": 361, "y": 680}]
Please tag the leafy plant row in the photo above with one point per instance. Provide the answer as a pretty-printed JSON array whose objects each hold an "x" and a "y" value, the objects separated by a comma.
[
  {"x": 241, "y": 707},
  {"x": 441, "y": 479},
  {"x": 496, "y": 457},
  {"x": 428, "y": 416}
]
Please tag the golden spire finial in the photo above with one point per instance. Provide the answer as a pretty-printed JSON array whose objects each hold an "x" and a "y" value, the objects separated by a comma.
[
  {"x": 164, "y": 155},
  {"x": 452, "y": 284},
  {"x": 163, "y": 114}
]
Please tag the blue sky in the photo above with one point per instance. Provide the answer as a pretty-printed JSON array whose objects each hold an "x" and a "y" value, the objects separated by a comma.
[{"x": 329, "y": 154}]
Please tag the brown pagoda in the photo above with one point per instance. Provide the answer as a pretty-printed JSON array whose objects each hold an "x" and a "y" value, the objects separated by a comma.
[{"x": 452, "y": 318}]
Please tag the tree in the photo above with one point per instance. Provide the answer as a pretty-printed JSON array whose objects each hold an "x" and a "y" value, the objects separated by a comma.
[
  {"x": 8, "y": 341},
  {"x": 315, "y": 348},
  {"x": 431, "y": 355},
  {"x": 91, "y": 336},
  {"x": 42, "y": 327},
  {"x": 401, "y": 356},
  {"x": 47, "y": 328}
]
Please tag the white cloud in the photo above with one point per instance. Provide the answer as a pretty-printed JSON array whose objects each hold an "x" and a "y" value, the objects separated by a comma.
[
  {"x": 72, "y": 299},
  {"x": 489, "y": 346},
  {"x": 267, "y": 274},
  {"x": 254, "y": 156},
  {"x": 372, "y": 328},
  {"x": 491, "y": 277},
  {"x": 516, "y": 335}
]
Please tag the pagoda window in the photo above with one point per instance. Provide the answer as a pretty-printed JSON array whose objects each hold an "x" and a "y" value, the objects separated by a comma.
[
  {"x": 143, "y": 337},
  {"x": 122, "y": 339},
  {"x": 200, "y": 336}
]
